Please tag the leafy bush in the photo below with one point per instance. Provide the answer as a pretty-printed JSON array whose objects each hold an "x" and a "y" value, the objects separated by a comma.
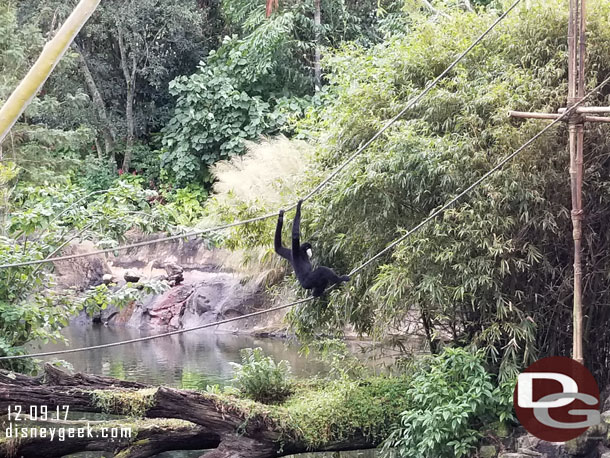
[
  {"x": 99, "y": 174},
  {"x": 260, "y": 378},
  {"x": 40, "y": 220},
  {"x": 336, "y": 410},
  {"x": 451, "y": 400},
  {"x": 212, "y": 118},
  {"x": 184, "y": 206}
]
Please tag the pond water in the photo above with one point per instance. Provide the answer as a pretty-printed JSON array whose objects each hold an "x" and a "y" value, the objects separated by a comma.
[{"x": 193, "y": 360}]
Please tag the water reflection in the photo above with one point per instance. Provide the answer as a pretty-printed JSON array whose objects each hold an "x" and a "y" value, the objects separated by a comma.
[{"x": 191, "y": 360}]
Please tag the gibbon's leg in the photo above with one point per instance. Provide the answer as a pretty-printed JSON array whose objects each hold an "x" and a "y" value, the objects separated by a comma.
[
  {"x": 329, "y": 275},
  {"x": 321, "y": 278},
  {"x": 318, "y": 291}
]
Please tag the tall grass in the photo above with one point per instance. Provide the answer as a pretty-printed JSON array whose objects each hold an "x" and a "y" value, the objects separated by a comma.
[{"x": 268, "y": 173}]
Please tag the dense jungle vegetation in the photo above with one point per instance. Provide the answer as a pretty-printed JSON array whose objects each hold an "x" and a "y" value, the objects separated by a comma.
[{"x": 134, "y": 127}]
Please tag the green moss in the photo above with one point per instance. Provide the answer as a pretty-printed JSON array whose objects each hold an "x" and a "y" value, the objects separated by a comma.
[
  {"x": 342, "y": 409},
  {"x": 322, "y": 412},
  {"x": 131, "y": 403}
]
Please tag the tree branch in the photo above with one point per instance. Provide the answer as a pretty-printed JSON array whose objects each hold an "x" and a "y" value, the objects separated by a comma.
[{"x": 428, "y": 5}]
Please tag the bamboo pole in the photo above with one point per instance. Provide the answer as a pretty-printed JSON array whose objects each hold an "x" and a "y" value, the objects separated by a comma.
[
  {"x": 51, "y": 54},
  {"x": 582, "y": 109},
  {"x": 528, "y": 114},
  {"x": 577, "y": 45}
]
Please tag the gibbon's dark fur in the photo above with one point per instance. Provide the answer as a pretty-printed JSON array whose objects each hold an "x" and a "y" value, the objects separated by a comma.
[{"x": 318, "y": 279}]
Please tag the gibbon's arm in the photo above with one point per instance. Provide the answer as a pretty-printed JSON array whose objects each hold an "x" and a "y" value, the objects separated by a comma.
[
  {"x": 296, "y": 231},
  {"x": 279, "y": 248}
]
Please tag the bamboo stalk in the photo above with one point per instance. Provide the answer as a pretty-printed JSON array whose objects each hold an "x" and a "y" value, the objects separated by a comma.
[
  {"x": 577, "y": 88},
  {"x": 51, "y": 54},
  {"x": 587, "y": 110},
  {"x": 527, "y": 114},
  {"x": 596, "y": 119}
]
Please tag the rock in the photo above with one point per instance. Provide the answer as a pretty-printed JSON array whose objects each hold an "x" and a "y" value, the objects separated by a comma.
[
  {"x": 131, "y": 276},
  {"x": 487, "y": 451},
  {"x": 215, "y": 296},
  {"x": 175, "y": 273},
  {"x": 500, "y": 429},
  {"x": 81, "y": 273},
  {"x": 587, "y": 442},
  {"x": 107, "y": 279},
  {"x": 162, "y": 311},
  {"x": 532, "y": 446},
  {"x": 106, "y": 316}
]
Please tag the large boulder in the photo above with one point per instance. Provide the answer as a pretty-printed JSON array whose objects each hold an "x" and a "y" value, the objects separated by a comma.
[
  {"x": 81, "y": 273},
  {"x": 214, "y": 296}
]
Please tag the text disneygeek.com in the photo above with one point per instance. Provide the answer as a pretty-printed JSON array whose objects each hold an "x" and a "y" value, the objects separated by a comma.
[{"x": 20, "y": 427}]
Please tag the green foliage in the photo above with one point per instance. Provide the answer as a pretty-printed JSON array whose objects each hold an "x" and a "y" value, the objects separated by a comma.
[
  {"x": 260, "y": 378},
  {"x": 99, "y": 175},
  {"x": 162, "y": 40},
  {"x": 257, "y": 81},
  {"x": 102, "y": 296},
  {"x": 320, "y": 412},
  {"x": 450, "y": 401},
  {"x": 491, "y": 272},
  {"x": 212, "y": 118},
  {"x": 36, "y": 223},
  {"x": 184, "y": 205}
]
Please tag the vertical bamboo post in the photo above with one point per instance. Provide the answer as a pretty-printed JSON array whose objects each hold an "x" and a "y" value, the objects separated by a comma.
[{"x": 576, "y": 91}]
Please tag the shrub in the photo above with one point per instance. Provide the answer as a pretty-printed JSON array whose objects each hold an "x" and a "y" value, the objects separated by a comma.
[
  {"x": 260, "y": 378},
  {"x": 450, "y": 400}
]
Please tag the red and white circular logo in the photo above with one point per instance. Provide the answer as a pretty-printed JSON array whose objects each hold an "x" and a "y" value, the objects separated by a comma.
[{"x": 557, "y": 399}]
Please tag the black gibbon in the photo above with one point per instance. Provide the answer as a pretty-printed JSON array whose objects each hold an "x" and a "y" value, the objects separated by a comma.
[{"x": 318, "y": 279}]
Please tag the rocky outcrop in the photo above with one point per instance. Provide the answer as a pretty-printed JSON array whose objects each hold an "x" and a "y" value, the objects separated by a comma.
[
  {"x": 81, "y": 273},
  {"x": 204, "y": 297},
  {"x": 594, "y": 443},
  {"x": 205, "y": 286}
]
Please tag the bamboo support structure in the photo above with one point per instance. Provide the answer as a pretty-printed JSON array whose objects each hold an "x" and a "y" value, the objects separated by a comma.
[
  {"x": 576, "y": 51},
  {"x": 577, "y": 47},
  {"x": 582, "y": 109},
  {"x": 533, "y": 115}
]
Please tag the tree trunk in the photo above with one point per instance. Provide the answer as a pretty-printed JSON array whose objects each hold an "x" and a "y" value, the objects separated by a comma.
[
  {"x": 317, "y": 21},
  {"x": 98, "y": 148},
  {"x": 130, "y": 129},
  {"x": 148, "y": 438},
  {"x": 108, "y": 131},
  {"x": 130, "y": 81},
  {"x": 213, "y": 421}
]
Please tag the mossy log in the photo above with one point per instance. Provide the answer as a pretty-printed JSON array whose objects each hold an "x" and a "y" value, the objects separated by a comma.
[
  {"x": 148, "y": 438},
  {"x": 230, "y": 426}
]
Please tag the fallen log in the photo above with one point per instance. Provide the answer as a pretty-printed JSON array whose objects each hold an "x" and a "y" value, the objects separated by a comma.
[
  {"x": 148, "y": 438},
  {"x": 234, "y": 427}
]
